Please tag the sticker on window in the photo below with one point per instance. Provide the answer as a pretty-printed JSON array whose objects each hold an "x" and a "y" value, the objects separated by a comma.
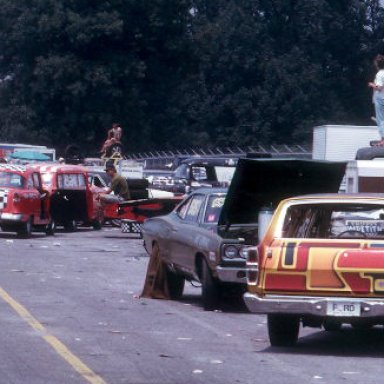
[
  {"x": 366, "y": 226},
  {"x": 217, "y": 202}
]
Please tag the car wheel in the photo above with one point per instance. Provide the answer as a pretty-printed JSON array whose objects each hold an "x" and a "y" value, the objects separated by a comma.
[
  {"x": 210, "y": 289},
  {"x": 283, "y": 330},
  {"x": 26, "y": 229},
  {"x": 175, "y": 284},
  {"x": 50, "y": 228},
  {"x": 332, "y": 325},
  {"x": 70, "y": 226},
  {"x": 116, "y": 222},
  {"x": 96, "y": 225}
]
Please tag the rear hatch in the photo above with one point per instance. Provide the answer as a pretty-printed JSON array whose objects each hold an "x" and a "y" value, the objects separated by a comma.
[
  {"x": 347, "y": 268},
  {"x": 260, "y": 184}
]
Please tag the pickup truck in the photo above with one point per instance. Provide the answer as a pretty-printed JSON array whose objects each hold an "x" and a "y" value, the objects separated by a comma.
[{"x": 320, "y": 264}]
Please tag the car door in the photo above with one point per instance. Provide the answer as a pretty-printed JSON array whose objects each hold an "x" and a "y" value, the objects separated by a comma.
[
  {"x": 43, "y": 214},
  {"x": 184, "y": 233},
  {"x": 33, "y": 200}
]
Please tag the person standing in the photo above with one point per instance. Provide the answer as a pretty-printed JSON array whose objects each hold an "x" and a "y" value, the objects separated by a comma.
[
  {"x": 117, "y": 132},
  {"x": 107, "y": 143},
  {"x": 119, "y": 187},
  {"x": 378, "y": 97}
]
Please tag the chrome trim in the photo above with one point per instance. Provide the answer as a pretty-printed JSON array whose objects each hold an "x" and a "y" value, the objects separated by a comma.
[
  {"x": 230, "y": 275},
  {"x": 11, "y": 216},
  {"x": 309, "y": 305}
]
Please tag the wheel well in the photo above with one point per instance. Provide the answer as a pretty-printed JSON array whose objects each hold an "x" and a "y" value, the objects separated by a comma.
[{"x": 199, "y": 259}]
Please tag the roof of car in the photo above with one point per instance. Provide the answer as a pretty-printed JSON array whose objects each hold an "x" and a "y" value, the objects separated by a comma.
[
  {"x": 51, "y": 168},
  {"x": 13, "y": 167},
  {"x": 340, "y": 196},
  {"x": 209, "y": 191},
  {"x": 214, "y": 161}
]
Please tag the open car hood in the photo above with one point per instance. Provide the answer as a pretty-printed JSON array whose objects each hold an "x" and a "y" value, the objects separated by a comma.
[{"x": 261, "y": 183}]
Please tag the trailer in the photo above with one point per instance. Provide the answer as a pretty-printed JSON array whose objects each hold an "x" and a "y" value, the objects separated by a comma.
[
  {"x": 365, "y": 176},
  {"x": 341, "y": 142},
  {"x": 6, "y": 149}
]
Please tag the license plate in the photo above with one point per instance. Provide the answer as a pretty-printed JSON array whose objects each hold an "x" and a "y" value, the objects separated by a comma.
[{"x": 343, "y": 309}]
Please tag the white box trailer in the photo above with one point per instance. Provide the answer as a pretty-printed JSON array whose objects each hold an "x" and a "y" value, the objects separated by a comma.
[
  {"x": 341, "y": 142},
  {"x": 6, "y": 149},
  {"x": 364, "y": 176}
]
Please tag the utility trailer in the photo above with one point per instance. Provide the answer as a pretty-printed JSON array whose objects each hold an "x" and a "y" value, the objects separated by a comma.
[{"x": 341, "y": 142}]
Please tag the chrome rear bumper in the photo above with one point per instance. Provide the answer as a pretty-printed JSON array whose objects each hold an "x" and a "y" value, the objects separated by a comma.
[{"x": 317, "y": 306}]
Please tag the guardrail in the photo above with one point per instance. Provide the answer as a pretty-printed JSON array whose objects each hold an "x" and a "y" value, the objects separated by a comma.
[{"x": 167, "y": 159}]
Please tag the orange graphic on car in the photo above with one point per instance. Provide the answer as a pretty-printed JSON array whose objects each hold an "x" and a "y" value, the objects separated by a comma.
[{"x": 315, "y": 267}]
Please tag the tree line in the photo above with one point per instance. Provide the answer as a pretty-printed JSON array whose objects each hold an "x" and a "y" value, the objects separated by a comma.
[{"x": 184, "y": 73}]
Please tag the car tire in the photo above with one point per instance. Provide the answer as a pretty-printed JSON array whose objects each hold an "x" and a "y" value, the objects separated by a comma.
[
  {"x": 50, "y": 228},
  {"x": 209, "y": 289},
  {"x": 96, "y": 225},
  {"x": 70, "y": 226},
  {"x": 332, "y": 325},
  {"x": 283, "y": 330},
  {"x": 175, "y": 284},
  {"x": 116, "y": 222},
  {"x": 26, "y": 229}
]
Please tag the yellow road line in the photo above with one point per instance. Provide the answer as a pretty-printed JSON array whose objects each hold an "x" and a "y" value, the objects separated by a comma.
[{"x": 53, "y": 341}]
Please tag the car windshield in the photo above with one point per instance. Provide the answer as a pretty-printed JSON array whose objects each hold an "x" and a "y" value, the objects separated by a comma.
[
  {"x": 13, "y": 180},
  {"x": 46, "y": 179},
  {"x": 71, "y": 181},
  {"x": 329, "y": 221},
  {"x": 214, "y": 206}
]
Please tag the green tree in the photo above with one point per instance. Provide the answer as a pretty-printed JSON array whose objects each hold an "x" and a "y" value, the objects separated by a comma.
[
  {"x": 77, "y": 66},
  {"x": 179, "y": 73}
]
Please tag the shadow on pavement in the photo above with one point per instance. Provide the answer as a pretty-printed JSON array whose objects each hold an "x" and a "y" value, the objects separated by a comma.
[{"x": 346, "y": 342}]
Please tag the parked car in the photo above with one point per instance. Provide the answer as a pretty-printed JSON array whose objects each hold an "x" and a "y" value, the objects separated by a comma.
[
  {"x": 188, "y": 242},
  {"x": 24, "y": 203},
  {"x": 197, "y": 172},
  {"x": 72, "y": 199},
  {"x": 196, "y": 244},
  {"x": 320, "y": 264}
]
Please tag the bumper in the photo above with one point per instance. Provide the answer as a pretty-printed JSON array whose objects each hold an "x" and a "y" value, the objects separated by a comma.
[
  {"x": 10, "y": 218},
  {"x": 231, "y": 275},
  {"x": 316, "y": 306}
]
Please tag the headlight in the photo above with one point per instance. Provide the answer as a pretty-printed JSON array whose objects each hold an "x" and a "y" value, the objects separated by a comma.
[{"x": 231, "y": 252}]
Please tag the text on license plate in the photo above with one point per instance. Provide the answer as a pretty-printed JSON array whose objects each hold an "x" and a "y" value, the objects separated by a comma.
[{"x": 346, "y": 309}]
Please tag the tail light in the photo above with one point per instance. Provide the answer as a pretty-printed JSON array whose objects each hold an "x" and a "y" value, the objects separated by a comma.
[
  {"x": 16, "y": 198},
  {"x": 253, "y": 256},
  {"x": 252, "y": 265}
]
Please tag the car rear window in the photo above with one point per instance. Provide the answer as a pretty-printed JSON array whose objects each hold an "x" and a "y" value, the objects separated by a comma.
[
  {"x": 47, "y": 179},
  {"x": 71, "y": 181},
  {"x": 334, "y": 221},
  {"x": 11, "y": 180},
  {"x": 214, "y": 206}
]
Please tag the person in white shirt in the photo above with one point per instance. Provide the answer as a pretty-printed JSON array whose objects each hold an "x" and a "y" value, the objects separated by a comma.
[{"x": 378, "y": 96}]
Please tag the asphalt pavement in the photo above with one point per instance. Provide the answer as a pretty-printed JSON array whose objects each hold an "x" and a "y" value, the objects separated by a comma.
[{"x": 71, "y": 313}]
